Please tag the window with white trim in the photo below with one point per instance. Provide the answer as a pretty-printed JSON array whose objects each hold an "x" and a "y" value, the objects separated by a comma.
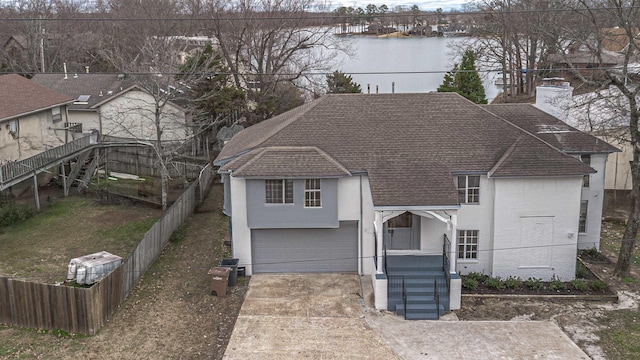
[
  {"x": 587, "y": 160},
  {"x": 468, "y": 189},
  {"x": 582, "y": 223},
  {"x": 55, "y": 114},
  {"x": 312, "y": 193},
  {"x": 468, "y": 244},
  {"x": 279, "y": 191}
]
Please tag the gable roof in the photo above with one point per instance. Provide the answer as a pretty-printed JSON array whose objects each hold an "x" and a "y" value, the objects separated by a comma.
[
  {"x": 550, "y": 129},
  {"x": 295, "y": 161},
  {"x": 99, "y": 87},
  {"x": 408, "y": 144},
  {"x": 20, "y": 96}
]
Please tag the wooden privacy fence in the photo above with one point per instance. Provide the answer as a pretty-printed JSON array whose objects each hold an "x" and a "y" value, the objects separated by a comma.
[{"x": 84, "y": 310}]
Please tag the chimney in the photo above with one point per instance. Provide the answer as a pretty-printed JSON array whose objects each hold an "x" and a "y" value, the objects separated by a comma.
[
  {"x": 554, "y": 97},
  {"x": 64, "y": 65}
]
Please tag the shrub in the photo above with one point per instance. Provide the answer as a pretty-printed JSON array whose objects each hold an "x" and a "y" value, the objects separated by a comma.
[
  {"x": 479, "y": 277},
  {"x": 533, "y": 283},
  {"x": 470, "y": 283},
  {"x": 13, "y": 214},
  {"x": 580, "y": 285},
  {"x": 593, "y": 252},
  {"x": 598, "y": 285},
  {"x": 513, "y": 282},
  {"x": 581, "y": 271},
  {"x": 495, "y": 283},
  {"x": 556, "y": 284}
]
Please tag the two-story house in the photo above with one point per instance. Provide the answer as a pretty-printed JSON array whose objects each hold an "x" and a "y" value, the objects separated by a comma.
[
  {"x": 115, "y": 105},
  {"x": 409, "y": 189},
  {"x": 32, "y": 118}
]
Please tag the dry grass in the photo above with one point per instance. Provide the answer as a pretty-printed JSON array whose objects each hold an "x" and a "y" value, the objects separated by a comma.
[{"x": 40, "y": 248}]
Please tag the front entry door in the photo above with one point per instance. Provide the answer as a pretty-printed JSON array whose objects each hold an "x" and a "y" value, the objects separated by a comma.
[{"x": 403, "y": 232}]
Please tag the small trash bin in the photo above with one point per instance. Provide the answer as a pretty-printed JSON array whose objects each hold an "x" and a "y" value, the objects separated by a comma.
[
  {"x": 219, "y": 280},
  {"x": 233, "y": 265}
]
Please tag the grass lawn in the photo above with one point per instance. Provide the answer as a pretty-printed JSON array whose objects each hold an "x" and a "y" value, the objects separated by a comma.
[
  {"x": 40, "y": 248},
  {"x": 620, "y": 333}
]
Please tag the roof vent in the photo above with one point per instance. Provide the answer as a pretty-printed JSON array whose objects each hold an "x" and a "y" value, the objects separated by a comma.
[
  {"x": 553, "y": 129},
  {"x": 121, "y": 76}
]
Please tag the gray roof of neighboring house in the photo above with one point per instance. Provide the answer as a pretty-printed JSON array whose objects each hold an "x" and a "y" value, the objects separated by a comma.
[
  {"x": 99, "y": 87},
  {"x": 409, "y": 145},
  {"x": 584, "y": 57},
  {"x": 550, "y": 129},
  {"x": 19, "y": 96}
]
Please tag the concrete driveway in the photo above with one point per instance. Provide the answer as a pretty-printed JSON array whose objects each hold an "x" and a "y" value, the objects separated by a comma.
[
  {"x": 312, "y": 316},
  {"x": 321, "y": 316}
]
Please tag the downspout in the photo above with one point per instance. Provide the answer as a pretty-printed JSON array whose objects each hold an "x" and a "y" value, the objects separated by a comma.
[{"x": 361, "y": 230}]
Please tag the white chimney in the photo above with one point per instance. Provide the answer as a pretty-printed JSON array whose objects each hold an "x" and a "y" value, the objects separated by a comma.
[{"x": 554, "y": 97}]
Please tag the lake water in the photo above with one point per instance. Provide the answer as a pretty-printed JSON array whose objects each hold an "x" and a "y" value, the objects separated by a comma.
[{"x": 416, "y": 65}]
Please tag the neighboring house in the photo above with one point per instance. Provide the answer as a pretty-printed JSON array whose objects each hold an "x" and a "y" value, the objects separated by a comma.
[
  {"x": 116, "y": 106},
  {"x": 32, "y": 118},
  {"x": 370, "y": 183},
  {"x": 602, "y": 113}
]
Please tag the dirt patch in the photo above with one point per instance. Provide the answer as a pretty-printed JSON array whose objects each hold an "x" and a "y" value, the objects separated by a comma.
[{"x": 169, "y": 315}]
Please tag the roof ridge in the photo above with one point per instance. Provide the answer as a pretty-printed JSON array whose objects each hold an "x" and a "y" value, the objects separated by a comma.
[
  {"x": 504, "y": 156},
  {"x": 331, "y": 159},
  {"x": 253, "y": 159}
]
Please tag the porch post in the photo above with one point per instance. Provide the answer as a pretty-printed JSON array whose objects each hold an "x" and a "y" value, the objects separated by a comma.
[
  {"x": 378, "y": 229},
  {"x": 454, "y": 244}
]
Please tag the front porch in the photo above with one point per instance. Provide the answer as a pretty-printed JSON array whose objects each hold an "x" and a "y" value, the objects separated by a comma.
[
  {"x": 415, "y": 263},
  {"x": 417, "y": 286}
]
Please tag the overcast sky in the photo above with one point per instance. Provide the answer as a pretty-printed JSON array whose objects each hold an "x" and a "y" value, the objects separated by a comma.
[{"x": 423, "y": 4}]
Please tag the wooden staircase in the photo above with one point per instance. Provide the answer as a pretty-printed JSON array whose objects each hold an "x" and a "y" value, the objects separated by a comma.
[{"x": 413, "y": 281}]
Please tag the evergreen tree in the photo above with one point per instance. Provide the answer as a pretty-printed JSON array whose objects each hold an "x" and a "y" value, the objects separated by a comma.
[
  {"x": 465, "y": 80},
  {"x": 340, "y": 83}
]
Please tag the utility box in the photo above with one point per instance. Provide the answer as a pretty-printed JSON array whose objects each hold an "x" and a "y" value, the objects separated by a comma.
[
  {"x": 219, "y": 280},
  {"x": 89, "y": 269}
]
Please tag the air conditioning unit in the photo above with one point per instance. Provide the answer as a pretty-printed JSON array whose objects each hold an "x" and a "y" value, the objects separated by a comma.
[{"x": 89, "y": 269}]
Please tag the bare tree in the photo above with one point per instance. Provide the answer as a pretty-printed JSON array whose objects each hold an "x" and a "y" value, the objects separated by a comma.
[
  {"x": 269, "y": 46},
  {"x": 595, "y": 27},
  {"x": 517, "y": 39},
  {"x": 159, "y": 108}
]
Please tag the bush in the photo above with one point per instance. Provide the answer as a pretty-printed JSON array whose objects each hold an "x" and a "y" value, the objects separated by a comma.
[
  {"x": 470, "y": 283},
  {"x": 581, "y": 271},
  {"x": 598, "y": 285},
  {"x": 593, "y": 252},
  {"x": 513, "y": 283},
  {"x": 533, "y": 283},
  {"x": 495, "y": 283},
  {"x": 580, "y": 285},
  {"x": 556, "y": 284},
  {"x": 479, "y": 277},
  {"x": 13, "y": 214}
]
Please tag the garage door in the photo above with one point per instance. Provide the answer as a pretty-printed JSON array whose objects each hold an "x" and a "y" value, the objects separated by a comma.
[{"x": 306, "y": 250}]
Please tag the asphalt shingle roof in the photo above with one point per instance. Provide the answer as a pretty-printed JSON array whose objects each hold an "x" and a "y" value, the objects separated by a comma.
[
  {"x": 19, "y": 95},
  {"x": 99, "y": 86},
  {"x": 550, "y": 129},
  {"x": 409, "y": 144}
]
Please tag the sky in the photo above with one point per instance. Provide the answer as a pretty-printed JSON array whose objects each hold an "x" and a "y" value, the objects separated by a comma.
[{"x": 423, "y": 4}]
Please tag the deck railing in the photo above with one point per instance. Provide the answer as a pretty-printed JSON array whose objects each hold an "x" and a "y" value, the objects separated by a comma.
[
  {"x": 17, "y": 169},
  {"x": 436, "y": 297}
]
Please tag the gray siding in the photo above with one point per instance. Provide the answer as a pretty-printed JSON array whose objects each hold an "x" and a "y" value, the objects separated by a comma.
[
  {"x": 306, "y": 250},
  {"x": 279, "y": 216}
]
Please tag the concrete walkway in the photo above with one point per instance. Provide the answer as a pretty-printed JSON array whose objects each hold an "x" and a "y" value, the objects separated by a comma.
[
  {"x": 474, "y": 340},
  {"x": 322, "y": 316}
]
